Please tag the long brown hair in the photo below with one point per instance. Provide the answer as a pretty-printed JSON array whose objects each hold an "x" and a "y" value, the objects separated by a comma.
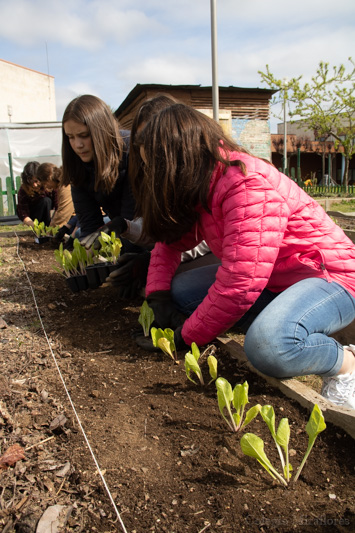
[
  {"x": 181, "y": 148},
  {"x": 142, "y": 116},
  {"x": 106, "y": 139},
  {"x": 49, "y": 172},
  {"x": 29, "y": 172}
]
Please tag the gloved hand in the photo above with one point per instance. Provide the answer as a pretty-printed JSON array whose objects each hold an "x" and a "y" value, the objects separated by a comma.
[
  {"x": 69, "y": 245},
  {"x": 180, "y": 344},
  {"x": 165, "y": 313},
  {"x": 143, "y": 342},
  {"x": 131, "y": 274},
  {"x": 117, "y": 224},
  {"x": 59, "y": 236},
  {"x": 147, "y": 344}
]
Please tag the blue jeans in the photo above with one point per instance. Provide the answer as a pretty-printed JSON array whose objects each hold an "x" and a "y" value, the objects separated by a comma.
[{"x": 286, "y": 333}]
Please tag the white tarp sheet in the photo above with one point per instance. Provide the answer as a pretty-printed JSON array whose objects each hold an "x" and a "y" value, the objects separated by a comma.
[{"x": 29, "y": 142}]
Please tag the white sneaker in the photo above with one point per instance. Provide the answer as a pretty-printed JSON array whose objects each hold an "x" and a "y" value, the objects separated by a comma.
[{"x": 340, "y": 390}]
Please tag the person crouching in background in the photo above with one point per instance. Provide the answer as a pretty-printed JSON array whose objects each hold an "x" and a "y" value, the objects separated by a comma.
[{"x": 33, "y": 202}]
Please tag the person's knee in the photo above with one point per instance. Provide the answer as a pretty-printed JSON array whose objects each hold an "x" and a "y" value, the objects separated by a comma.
[{"x": 268, "y": 351}]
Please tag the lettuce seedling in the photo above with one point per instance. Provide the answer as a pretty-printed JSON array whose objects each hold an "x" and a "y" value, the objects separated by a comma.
[
  {"x": 315, "y": 425},
  {"x": 72, "y": 263},
  {"x": 237, "y": 399},
  {"x": 146, "y": 318},
  {"x": 110, "y": 246},
  {"x": 192, "y": 365},
  {"x": 268, "y": 414},
  {"x": 165, "y": 341},
  {"x": 253, "y": 446},
  {"x": 41, "y": 230}
]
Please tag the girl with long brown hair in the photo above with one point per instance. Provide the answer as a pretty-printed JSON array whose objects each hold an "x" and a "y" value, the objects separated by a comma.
[
  {"x": 287, "y": 273},
  {"x": 95, "y": 155},
  {"x": 33, "y": 201}
]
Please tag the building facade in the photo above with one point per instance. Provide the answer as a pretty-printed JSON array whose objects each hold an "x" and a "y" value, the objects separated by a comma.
[
  {"x": 25, "y": 95},
  {"x": 243, "y": 113}
]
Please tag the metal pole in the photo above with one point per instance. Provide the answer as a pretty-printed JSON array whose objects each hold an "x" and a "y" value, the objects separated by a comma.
[{"x": 215, "y": 95}]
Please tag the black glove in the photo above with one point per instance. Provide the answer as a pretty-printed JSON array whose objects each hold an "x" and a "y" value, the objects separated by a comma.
[
  {"x": 180, "y": 344},
  {"x": 143, "y": 342},
  {"x": 59, "y": 236},
  {"x": 131, "y": 274},
  {"x": 147, "y": 344},
  {"x": 165, "y": 313},
  {"x": 69, "y": 245},
  {"x": 117, "y": 224}
]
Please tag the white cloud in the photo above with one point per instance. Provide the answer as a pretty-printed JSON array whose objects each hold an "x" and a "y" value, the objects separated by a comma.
[{"x": 106, "y": 47}]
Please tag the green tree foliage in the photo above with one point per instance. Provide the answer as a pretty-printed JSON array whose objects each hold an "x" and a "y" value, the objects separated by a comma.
[{"x": 326, "y": 104}]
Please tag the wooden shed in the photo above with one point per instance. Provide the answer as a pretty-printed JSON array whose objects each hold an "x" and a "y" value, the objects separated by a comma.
[{"x": 243, "y": 112}]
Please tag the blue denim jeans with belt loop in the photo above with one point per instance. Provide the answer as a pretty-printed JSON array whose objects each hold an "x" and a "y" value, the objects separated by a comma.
[{"x": 287, "y": 334}]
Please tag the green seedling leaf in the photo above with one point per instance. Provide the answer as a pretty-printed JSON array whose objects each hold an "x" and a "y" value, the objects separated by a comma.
[
  {"x": 240, "y": 399},
  {"x": 268, "y": 414},
  {"x": 283, "y": 439},
  {"x": 110, "y": 246},
  {"x": 191, "y": 365},
  {"x": 212, "y": 366},
  {"x": 146, "y": 318},
  {"x": 195, "y": 351},
  {"x": 156, "y": 334},
  {"x": 253, "y": 446},
  {"x": 240, "y": 396},
  {"x": 315, "y": 425},
  {"x": 168, "y": 345},
  {"x": 251, "y": 414},
  {"x": 164, "y": 345},
  {"x": 224, "y": 398}
]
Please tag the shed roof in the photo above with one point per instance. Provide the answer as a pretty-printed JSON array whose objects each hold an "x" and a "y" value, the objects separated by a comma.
[{"x": 149, "y": 87}]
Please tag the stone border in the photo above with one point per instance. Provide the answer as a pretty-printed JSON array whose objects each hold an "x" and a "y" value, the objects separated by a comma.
[{"x": 296, "y": 390}]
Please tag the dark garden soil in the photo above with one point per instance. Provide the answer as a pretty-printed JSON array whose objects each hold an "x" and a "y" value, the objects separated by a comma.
[{"x": 169, "y": 462}]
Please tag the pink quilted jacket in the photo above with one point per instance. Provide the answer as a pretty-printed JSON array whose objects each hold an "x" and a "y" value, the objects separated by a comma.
[{"x": 268, "y": 233}]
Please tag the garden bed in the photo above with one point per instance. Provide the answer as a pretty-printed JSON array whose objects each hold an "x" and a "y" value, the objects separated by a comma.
[{"x": 167, "y": 457}]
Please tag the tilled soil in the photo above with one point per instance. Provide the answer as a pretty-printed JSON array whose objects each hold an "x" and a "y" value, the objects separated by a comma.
[{"x": 122, "y": 440}]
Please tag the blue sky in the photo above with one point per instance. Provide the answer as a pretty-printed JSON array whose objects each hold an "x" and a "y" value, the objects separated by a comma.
[{"x": 106, "y": 47}]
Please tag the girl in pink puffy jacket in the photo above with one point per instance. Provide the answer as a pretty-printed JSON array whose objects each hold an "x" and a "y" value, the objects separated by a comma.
[{"x": 287, "y": 272}]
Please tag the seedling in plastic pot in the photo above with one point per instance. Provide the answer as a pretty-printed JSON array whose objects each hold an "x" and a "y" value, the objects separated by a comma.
[
  {"x": 165, "y": 341},
  {"x": 253, "y": 446},
  {"x": 192, "y": 365},
  {"x": 38, "y": 228},
  {"x": 146, "y": 318},
  {"x": 110, "y": 246},
  {"x": 234, "y": 402},
  {"x": 71, "y": 263},
  {"x": 41, "y": 230}
]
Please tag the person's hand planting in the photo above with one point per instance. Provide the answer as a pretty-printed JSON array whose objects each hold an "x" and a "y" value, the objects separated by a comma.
[
  {"x": 131, "y": 274},
  {"x": 146, "y": 343},
  {"x": 117, "y": 224},
  {"x": 165, "y": 313},
  {"x": 59, "y": 236}
]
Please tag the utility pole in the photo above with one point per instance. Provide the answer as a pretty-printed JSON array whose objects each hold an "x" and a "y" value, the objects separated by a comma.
[
  {"x": 215, "y": 91},
  {"x": 285, "y": 129}
]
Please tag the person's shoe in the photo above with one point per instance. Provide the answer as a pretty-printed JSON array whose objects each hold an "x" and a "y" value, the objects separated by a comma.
[{"x": 340, "y": 390}]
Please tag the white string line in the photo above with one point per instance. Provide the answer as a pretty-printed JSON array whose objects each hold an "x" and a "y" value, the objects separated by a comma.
[{"x": 68, "y": 394}]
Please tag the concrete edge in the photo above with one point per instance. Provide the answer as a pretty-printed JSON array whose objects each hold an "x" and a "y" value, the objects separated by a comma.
[
  {"x": 340, "y": 214},
  {"x": 296, "y": 390}
]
